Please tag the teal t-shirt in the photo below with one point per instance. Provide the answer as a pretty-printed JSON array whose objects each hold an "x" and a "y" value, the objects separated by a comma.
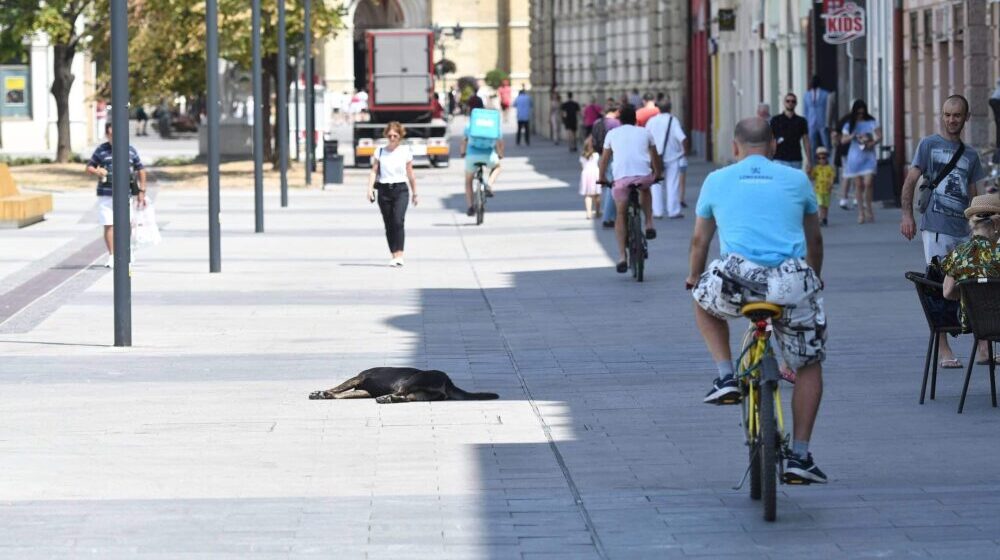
[{"x": 758, "y": 206}]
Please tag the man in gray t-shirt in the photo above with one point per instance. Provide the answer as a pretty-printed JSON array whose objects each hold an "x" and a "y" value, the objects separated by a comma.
[{"x": 943, "y": 225}]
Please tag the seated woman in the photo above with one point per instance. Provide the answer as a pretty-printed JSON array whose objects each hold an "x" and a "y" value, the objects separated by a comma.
[{"x": 979, "y": 257}]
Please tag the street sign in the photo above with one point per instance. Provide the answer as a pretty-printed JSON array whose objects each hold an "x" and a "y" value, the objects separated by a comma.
[
  {"x": 727, "y": 20},
  {"x": 845, "y": 21}
]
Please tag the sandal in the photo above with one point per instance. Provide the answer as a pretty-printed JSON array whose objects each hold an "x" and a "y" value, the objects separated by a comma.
[{"x": 953, "y": 363}]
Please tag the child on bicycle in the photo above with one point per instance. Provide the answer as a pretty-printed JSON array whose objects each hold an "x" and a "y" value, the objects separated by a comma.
[
  {"x": 590, "y": 190},
  {"x": 822, "y": 175}
]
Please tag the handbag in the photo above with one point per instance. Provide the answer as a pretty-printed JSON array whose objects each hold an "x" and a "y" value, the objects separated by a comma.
[{"x": 925, "y": 188}]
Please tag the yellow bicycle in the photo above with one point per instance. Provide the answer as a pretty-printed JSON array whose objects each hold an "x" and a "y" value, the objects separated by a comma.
[{"x": 763, "y": 421}]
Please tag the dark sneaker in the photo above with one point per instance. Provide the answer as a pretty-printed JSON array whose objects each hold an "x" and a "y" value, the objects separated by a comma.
[
  {"x": 803, "y": 471},
  {"x": 471, "y": 211},
  {"x": 650, "y": 233},
  {"x": 607, "y": 224},
  {"x": 489, "y": 192},
  {"x": 724, "y": 391},
  {"x": 621, "y": 267}
]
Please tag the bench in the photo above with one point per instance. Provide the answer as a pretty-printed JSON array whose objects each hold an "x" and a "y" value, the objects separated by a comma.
[{"x": 18, "y": 210}]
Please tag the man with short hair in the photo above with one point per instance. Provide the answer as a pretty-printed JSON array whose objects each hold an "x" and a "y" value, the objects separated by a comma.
[
  {"x": 99, "y": 165},
  {"x": 570, "y": 111},
  {"x": 943, "y": 224},
  {"x": 668, "y": 136},
  {"x": 789, "y": 130},
  {"x": 523, "y": 106},
  {"x": 635, "y": 163},
  {"x": 771, "y": 250},
  {"x": 764, "y": 111},
  {"x": 648, "y": 110},
  {"x": 816, "y": 110}
]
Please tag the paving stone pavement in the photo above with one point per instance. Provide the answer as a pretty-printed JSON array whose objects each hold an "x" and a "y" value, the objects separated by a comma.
[{"x": 199, "y": 442}]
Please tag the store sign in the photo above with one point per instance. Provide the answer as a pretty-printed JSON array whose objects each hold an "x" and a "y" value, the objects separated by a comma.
[
  {"x": 727, "y": 20},
  {"x": 845, "y": 21}
]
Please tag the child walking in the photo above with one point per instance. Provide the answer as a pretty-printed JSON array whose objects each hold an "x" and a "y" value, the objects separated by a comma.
[
  {"x": 589, "y": 189},
  {"x": 822, "y": 175}
]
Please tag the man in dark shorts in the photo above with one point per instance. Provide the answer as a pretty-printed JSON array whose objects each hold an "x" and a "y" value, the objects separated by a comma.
[
  {"x": 571, "y": 119},
  {"x": 791, "y": 130}
]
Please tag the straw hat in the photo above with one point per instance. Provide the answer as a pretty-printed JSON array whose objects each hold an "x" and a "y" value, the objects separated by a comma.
[
  {"x": 983, "y": 204},
  {"x": 822, "y": 151}
]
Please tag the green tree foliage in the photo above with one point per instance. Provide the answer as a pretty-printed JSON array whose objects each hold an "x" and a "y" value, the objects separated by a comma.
[{"x": 495, "y": 77}]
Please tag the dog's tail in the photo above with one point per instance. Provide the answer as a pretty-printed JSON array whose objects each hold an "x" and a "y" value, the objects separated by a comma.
[{"x": 460, "y": 395}]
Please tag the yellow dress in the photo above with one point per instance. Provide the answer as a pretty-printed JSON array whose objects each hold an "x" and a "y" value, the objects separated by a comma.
[{"x": 822, "y": 178}]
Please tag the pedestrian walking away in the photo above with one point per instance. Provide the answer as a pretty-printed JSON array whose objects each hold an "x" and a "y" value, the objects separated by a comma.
[
  {"x": 590, "y": 190},
  {"x": 669, "y": 139},
  {"x": 647, "y": 111},
  {"x": 839, "y": 158},
  {"x": 555, "y": 117},
  {"x": 523, "y": 106},
  {"x": 771, "y": 250},
  {"x": 952, "y": 175},
  {"x": 635, "y": 162},
  {"x": 791, "y": 133},
  {"x": 142, "y": 120},
  {"x": 863, "y": 133},
  {"x": 100, "y": 166},
  {"x": 816, "y": 110},
  {"x": 392, "y": 171},
  {"x": 598, "y": 133},
  {"x": 591, "y": 114},
  {"x": 570, "y": 111}
]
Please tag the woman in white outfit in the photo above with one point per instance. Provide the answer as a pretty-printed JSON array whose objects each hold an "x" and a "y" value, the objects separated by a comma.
[{"x": 392, "y": 169}]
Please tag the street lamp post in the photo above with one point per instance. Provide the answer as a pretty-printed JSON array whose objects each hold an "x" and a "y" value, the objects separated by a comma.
[
  {"x": 307, "y": 63},
  {"x": 212, "y": 114},
  {"x": 258, "y": 124},
  {"x": 120, "y": 162},
  {"x": 439, "y": 34}
]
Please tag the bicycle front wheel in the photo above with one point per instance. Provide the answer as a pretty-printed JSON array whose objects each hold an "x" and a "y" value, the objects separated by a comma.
[{"x": 768, "y": 448}]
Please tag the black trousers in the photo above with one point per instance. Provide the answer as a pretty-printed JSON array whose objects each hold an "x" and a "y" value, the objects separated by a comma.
[
  {"x": 523, "y": 125},
  {"x": 393, "y": 199}
]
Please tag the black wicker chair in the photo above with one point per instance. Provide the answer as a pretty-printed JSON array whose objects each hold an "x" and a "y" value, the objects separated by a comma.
[
  {"x": 981, "y": 298},
  {"x": 942, "y": 318}
]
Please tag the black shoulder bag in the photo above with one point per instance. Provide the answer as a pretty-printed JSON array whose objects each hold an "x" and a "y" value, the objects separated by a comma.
[
  {"x": 926, "y": 188},
  {"x": 666, "y": 136}
]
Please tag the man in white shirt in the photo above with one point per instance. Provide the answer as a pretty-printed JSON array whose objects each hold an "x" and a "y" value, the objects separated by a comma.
[
  {"x": 633, "y": 158},
  {"x": 668, "y": 138}
]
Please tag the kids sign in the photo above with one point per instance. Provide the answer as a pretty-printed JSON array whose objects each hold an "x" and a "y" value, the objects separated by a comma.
[{"x": 845, "y": 21}]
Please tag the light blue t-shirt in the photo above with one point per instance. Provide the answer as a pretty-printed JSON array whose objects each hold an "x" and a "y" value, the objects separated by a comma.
[
  {"x": 758, "y": 206},
  {"x": 523, "y": 105}
]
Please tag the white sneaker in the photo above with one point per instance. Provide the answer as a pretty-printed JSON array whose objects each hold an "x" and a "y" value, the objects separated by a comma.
[
  {"x": 394, "y": 262},
  {"x": 399, "y": 261},
  {"x": 110, "y": 263}
]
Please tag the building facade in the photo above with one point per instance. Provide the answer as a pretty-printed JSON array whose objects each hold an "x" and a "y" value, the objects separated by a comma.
[
  {"x": 28, "y": 110},
  {"x": 606, "y": 48},
  {"x": 494, "y": 35}
]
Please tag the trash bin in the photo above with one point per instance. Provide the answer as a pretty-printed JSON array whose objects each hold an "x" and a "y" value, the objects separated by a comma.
[
  {"x": 885, "y": 184},
  {"x": 333, "y": 163}
]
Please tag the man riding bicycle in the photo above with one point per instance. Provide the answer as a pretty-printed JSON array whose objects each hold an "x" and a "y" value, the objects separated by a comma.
[
  {"x": 482, "y": 143},
  {"x": 634, "y": 161},
  {"x": 772, "y": 250}
]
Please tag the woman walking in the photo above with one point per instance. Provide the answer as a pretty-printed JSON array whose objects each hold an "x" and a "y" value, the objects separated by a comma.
[
  {"x": 863, "y": 133},
  {"x": 392, "y": 169}
]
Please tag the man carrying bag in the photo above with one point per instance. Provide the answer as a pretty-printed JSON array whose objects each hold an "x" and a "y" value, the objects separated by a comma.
[{"x": 952, "y": 174}]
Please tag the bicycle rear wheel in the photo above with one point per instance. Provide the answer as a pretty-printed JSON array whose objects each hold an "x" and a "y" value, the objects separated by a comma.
[
  {"x": 768, "y": 446},
  {"x": 635, "y": 249},
  {"x": 480, "y": 204}
]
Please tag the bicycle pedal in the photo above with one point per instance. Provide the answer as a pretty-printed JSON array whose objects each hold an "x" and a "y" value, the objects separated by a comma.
[
  {"x": 794, "y": 480},
  {"x": 729, "y": 400}
]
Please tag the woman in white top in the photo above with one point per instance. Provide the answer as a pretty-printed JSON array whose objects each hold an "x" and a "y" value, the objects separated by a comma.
[{"x": 392, "y": 169}]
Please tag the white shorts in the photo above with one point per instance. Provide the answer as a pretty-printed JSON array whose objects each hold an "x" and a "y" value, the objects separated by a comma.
[
  {"x": 106, "y": 211},
  {"x": 939, "y": 244}
]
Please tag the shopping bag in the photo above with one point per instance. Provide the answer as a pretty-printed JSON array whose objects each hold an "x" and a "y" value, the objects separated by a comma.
[{"x": 147, "y": 233}]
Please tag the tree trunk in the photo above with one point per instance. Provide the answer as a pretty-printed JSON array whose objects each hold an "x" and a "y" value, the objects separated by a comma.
[{"x": 62, "y": 82}]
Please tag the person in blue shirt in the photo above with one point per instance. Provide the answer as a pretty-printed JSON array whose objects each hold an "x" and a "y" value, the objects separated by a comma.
[
  {"x": 522, "y": 104},
  {"x": 99, "y": 165},
  {"x": 474, "y": 154},
  {"x": 771, "y": 250}
]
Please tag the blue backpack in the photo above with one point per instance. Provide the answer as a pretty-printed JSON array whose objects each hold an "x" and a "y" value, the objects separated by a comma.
[{"x": 484, "y": 128}]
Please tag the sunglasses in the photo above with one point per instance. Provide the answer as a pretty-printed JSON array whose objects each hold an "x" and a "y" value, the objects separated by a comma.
[{"x": 790, "y": 102}]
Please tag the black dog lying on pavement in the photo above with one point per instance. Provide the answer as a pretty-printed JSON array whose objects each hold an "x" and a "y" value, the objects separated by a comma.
[{"x": 399, "y": 384}]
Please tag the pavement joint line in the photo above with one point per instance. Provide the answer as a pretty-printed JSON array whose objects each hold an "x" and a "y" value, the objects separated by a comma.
[
  {"x": 29, "y": 292},
  {"x": 546, "y": 429}
]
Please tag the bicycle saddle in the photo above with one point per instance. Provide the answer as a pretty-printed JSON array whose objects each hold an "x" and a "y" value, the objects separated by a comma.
[{"x": 761, "y": 310}]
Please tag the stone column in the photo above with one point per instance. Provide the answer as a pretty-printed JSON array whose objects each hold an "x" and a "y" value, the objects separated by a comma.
[{"x": 976, "y": 66}]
